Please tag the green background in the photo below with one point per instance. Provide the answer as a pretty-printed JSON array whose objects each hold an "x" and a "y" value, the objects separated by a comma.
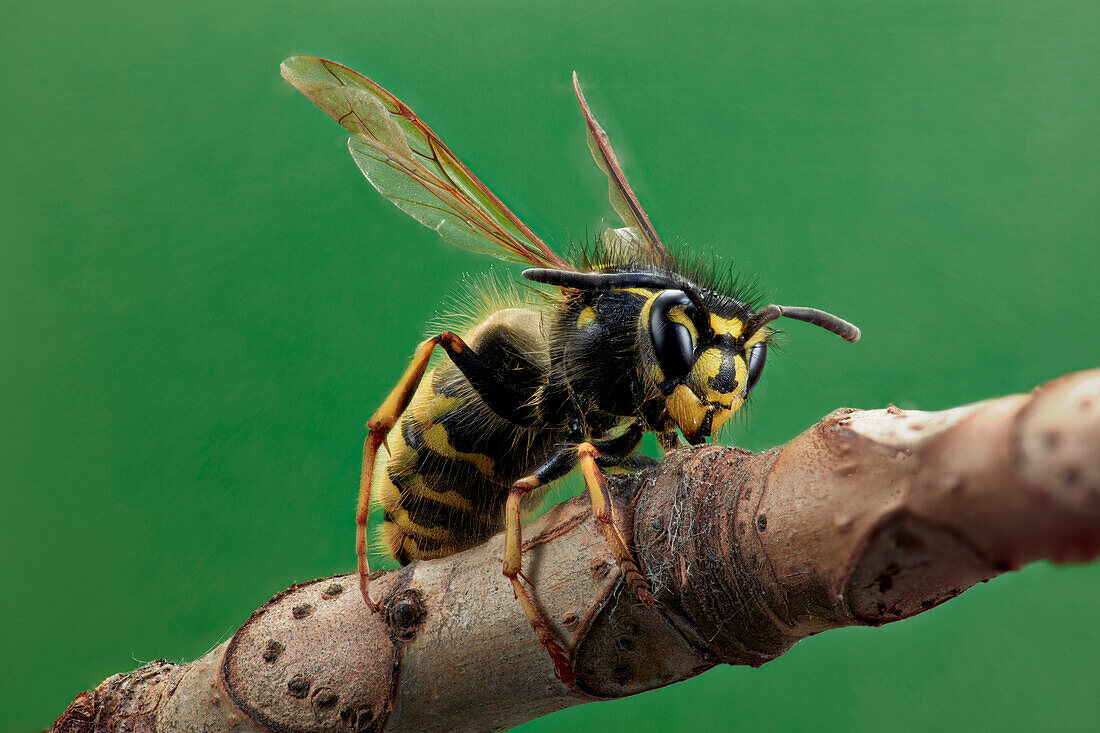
[{"x": 201, "y": 300}]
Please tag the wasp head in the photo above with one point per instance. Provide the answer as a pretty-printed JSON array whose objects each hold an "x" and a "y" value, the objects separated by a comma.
[
  {"x": 704, "y": 364},
  {"x": 704, "y": 360}
]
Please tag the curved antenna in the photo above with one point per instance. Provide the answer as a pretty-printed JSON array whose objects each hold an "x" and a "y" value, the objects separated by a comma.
[
  {"x": 609, "y": 280},
  {"x": 621, "y": 194},
  {"x": 828, "y": 321},
  {"x": 601, "y": 280}
]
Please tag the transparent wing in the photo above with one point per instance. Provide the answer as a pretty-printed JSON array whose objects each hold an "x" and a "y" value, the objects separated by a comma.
[
  {"x": 639, "y": 235},
  {"x": 623, "y": 246},
  {"x": 413, "y": 168}
]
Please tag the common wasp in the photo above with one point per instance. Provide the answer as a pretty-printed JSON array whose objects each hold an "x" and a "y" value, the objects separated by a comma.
[{"x": 627, "y": 339}]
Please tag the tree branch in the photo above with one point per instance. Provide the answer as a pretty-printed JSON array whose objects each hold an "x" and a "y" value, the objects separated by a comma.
[{"x": 866, "y": 518}]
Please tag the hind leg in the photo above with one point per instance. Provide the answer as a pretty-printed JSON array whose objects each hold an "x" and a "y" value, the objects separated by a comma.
[{"x": 500, "y": 397}]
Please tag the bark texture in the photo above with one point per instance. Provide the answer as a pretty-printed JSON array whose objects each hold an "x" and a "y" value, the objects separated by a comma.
[{"x": 868, "y": 517}]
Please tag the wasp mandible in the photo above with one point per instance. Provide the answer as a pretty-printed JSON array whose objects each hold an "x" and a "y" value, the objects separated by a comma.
[{"x": 629, "y": 339}]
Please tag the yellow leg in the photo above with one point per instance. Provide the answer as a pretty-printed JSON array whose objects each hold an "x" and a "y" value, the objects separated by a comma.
[
  {"x": 603, "y": 511},
  {"x": 380, "y": 424},
  {"x": 513, "y": 570}
]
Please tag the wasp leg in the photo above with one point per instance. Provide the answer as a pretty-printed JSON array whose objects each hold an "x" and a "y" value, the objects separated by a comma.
[
  {"x": 616, "y": 451},
  {"x": 630, "y": 464},
  {"x": 380, "y": 424},
  {"x": 500, "y": 397},
  {"x": 560, "y": 464},
  {"x": 669, "y": 440},
  {"x": 616, "y": 455},
  {"x": 590, "y": 455}
]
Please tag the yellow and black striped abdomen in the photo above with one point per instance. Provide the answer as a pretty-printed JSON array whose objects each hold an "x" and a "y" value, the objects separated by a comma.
[{"x": 452, "y": 459}]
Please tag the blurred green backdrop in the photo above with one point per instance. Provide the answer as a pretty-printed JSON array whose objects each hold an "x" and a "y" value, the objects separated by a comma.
[{"x": 201, "y": 300}]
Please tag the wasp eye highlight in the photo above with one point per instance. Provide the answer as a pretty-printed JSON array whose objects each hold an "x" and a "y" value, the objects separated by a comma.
[
  {"x": 673, "y": 341},
  {"x": 757, "y": 357}
]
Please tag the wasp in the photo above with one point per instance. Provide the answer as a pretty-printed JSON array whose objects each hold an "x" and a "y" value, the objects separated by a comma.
[{"x": 626, "y": 341}]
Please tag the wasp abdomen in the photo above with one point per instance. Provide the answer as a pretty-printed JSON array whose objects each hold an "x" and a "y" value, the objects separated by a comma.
[{"x": 452, "y": 459}]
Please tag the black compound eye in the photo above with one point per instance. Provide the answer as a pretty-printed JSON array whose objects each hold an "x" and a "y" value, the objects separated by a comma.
[
  {"x": 757, "y": 357},
  {"x": 671, "y": 341}
]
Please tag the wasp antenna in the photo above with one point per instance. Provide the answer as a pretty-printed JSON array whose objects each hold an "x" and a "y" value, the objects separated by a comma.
[
  {"x": 762, "y": 317},
  {"x": 839, "y": 326},
  {"x": 701, "y": 317},
  {"x": 599, "y": 280}
]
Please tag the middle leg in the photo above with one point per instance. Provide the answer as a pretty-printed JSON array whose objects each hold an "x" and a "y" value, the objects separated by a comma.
[
  {"x": 559, "y": 465},
  {"x": 612, "y": 451}
]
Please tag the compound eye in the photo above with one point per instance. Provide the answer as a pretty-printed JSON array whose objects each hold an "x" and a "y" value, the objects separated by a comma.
[
  {"x": 672, "y": 341},
  {"x": 757, "y": 357}
]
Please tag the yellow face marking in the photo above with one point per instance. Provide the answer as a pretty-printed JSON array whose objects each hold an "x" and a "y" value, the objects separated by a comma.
[
  {"x": 731, "y": 326},
  {"x": 416, "y": 487},
  {"x": 689, "y": 409},
  {"x": 722, "y": 415},
  {"x": 677, "y": 315},
  {"x": 586, "y": 316},
  {"x": 437, "y": 440},
  {"x": 707, "y": 365},
  {"x": 639, "y": 291},
  {"x": 731, "y": 401},
  {"x": 686, "y": 409}
]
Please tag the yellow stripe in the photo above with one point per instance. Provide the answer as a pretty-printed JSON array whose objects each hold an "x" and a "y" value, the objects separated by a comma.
[
  {"x": 402, "y": 460},
  {"x": 388, "y": 496},
  {"x": 402, "y": 519},
  {"x": 390, "y": 538},
  {"x": 436, "y": 439},
  {"x": 413, "y": 550},
  {"x": 638, "y": 291},
  {"x": 732, "y": 326},
  {"x": 708, "y": 364},
  {"x": 430, "y": 407},
  {"x": 416, "y": 487}
]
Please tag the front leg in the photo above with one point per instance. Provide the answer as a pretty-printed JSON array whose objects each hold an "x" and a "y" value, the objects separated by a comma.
[
  {"x": 604, "y": 512},
  {"x": 500, "y": 396}
]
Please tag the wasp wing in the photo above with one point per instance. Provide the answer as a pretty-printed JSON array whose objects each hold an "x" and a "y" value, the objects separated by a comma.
[
  {"x": 638, "y": 235},
  {"x": 623, "y": 246},
  {"x": 413, "y": 168}
]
